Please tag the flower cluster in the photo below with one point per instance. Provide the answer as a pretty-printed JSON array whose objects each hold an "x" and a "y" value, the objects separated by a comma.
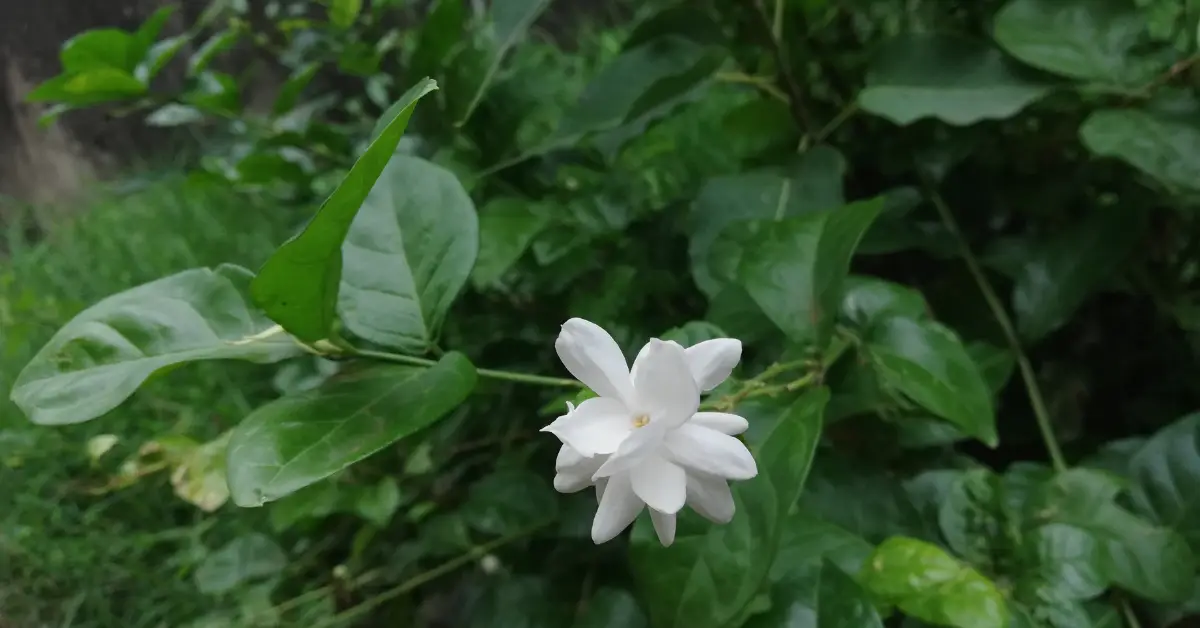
[{"x": 642, "y": 440}]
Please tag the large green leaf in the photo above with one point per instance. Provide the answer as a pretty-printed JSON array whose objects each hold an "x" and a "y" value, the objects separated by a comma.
[
  {"x": 298, "y": 285},
  {"x": 506, "y": 228},
  {"x": 928, "y": 363},
  {"x": 795, "y": 268},
  {"x": 953, "y": 78},
  {"x": 1166, "y": 471},
  {"x": 868, "y": 299},
  {"x": 808, "y": 540},
  {"x": 929, "y": 584},
  {"x": 1164, "y": 148},
  {"x": 1056, "y": 274},
  {"x": 813, "y": 183},
  {"x": 1091, "y": 40},
  {"x": 100, "y": 48},
  {"x": 818, "y": 595},
  {"x": 89, "y": 87},
  {"x": 508, "y": 501},
  {"x": 709, "y": 579},
  {"x": 407, "y": 255},
  {"x": 509, "y": 20},
  {"x": 302, "y": 438},
  {"x": 99, "y": 358},
  {"x": 439, "y": 33}
]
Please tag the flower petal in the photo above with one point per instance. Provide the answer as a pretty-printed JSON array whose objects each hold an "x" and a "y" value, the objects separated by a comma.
[
  {"x": 664, "y": 527},
  {"x": 575, "y": 471},
  {"x": 713, "y": 360},
  {"x": 597, "y": 426},
  {"x": 709, "y": 451},
  {"x": 641, "y": 443},
  {"x": 600, "y": 484},
  {"x": 664, "y": 386},
  {"x": 618, "y": 508},
  {"x": 660, "y": 483},
  {"x": 595, "y": 359},
  {"x": 710, "y": 496},
  {"x": 567, "y": 458},
  {"x": 722, "y": 422}
]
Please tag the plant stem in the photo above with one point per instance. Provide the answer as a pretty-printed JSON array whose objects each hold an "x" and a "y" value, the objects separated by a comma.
[
  {"x": 1040, "y": 413},
  {"x": 1131, "y": 620},
  {"x": 784, "y": 69},
  {"x": 475, "y": 553},
  {"x": 523, "y": 378}
]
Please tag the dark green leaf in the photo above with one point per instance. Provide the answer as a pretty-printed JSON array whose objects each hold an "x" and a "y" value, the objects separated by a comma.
[
  {"x": 342, "y": 13},
  {"x": 808, "y": 540},
  {"x": 311, "y": 502},
  {"x": 506, "y": 228},
  {"x": 298, "y": 285},
  {"x": 158, "y": 57},
  {"x": 928, "y": 363},
  {"x": 407, "y": 255},
  {"x": 302, "y": 438},
  {"x": 150, "y": 29},
  {"x": 1161, "y": 147},
  {"x": 995, "y": 364},
  {"x": 814, "y": 183},
  {"x": 508, "y": 501},
  {"x": 819, "y": 595},
  {"x": 440, "y": 32},
  {"x": 929, "y": 584},
  {"x": 289, "y": 94},
  {"x": 612, "y": 608},
  {"x": 99, "y": 358},
  {"x": 242, "y": 560},
  {"x": 216, "y": 92},
  {"x": 879, "y": 509},
  {"x": 378, "y": 503},
  {"x": 215, "y": 45},
  {"x": 520, "y": 602},
  {"x": 795, "y": 268},
  {"x": 1091, "y": 40},
  {"x": 509, "y": 20},
  {"x": 1166, "y": 476},
  {"x": 693, "y": 332},
  {"x": 99, "y": 49},
  {"x": 867, "y": 299},
  {"x": 958, "y": 80}
]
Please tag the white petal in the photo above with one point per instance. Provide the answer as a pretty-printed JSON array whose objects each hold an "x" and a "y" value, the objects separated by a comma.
[
  {"x": 574, "y": 471},
  {"x": 597, "y": 426},
  {"x": 595, "y": 359},
  {"x": 600, "y": 484},
  {"x": 571, "y": 483},
  {"x": 665, "y": 389},
  {"x": 664, "y": 527},
  {"x": 642, "y": 442},
  {"x": 618, "y": 508},
  {"x": 709, "y": 451},
  {"x": 711, "y": 497},
  {"x": 641, "y": 357},
  {"x": 660, "y": 483},
  {"x": 567, "y": 457},
  {"x": 722, "y": 422},
  {"x": 712, "y": 361}
]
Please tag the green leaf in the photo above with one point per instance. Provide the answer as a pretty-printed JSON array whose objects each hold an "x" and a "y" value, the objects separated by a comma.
[
  {"x": 795, "y": 268},
  {"x": 710, "y": 579},
  {"x": 808, "y": 540},
  {"x": 174, "y": 114},
  {"x": 1166, "y": 472},
  {"x": 693, "y": 332},
  {"x": 506, "y": 228},
  {"x": 509, "y": 19},
  {"x": 441, "y": 31},
  {"x": 105, "y": 48},
  {"x": 150, "y": 29},
  {"x": 407, "y": 255},
  {"x": 1150, "y": 561},
  {"x": 867, "y": 299},
  {"x": 215, "y": 45},
  {"x": 929, "y": 584},
  {"x": 818, "y": 596},
  {"x": 1056, "y": 275},
  {"x": 995, "y": 364},
  {"x": 302, "y": 438},
  {"x": 612, "y": 608},
  {"x": 159, "y": 55},
  {"x": 313, "y": 501},
  {"x": 89, "y": 87},
  {"x": 1090, "y": 40},
  {"x": 240, "y": 561},
  {"x": 508, "y": 501},
  {"x": 289, "y": 95},
  {"x": 342, "y": 13},
  {"x": 198, "y": 474},
  {"x": 1157, "y": 145},
  {"x": 952, "y": 78},
  {"x": 298, "y": 285},
  {"x": 99, "y": 358},
  {"x": 378, "y": 503},
  {"x": 215, "y": 92},
  {"x": 928, "y": 363}
]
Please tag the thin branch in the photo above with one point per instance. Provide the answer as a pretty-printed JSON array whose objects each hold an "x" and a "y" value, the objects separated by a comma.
[{"x": 784, "y": 69}]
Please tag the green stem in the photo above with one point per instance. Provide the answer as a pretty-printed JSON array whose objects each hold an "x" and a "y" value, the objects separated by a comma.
[
  {"x": 523, "y": 378},
  {"x": 1040, "y": 413},
  {"x": 1131, "y": 620}
]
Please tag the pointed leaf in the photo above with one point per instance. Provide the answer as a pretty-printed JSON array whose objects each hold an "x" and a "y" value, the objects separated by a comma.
[
  {"x": 818, "y": 595},
  {"x": 509, "y": 20},
  {"x": 506, "y": 228},
  {"x": 298, "y": 285},
  {"x": 1162, "y": 147},
  {"x": 302, "y": 438},
  {"x": 867, "y": 299},
  {"x": 100, "y": 48},
  {"x": 1166, "y": 472},
  {"x": 99, "y": 358}
]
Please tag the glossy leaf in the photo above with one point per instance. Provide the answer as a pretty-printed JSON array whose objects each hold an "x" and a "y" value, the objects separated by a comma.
[
  {"x": 440, "y": 32},
  {"x": 508, "y": 501},
  {"x": 507, "y": 226},
  {"x": 693, "y": 332},
  {"x": 1161, "y": 147},
  {"x": 158, "y": 56},
  {"x": 1165, "y": 471},
  {"x": 302, "y": 438},
  {"x": 407, "y": 255},
  {"x": 298, "y": 285},
  {"x": 795, "y": 268},
  {"x": 867, "y": 299},
  {"x": 929, "y": 584},
  {"x": 1091, "y": 40},
  {"x": 213, "y": 46},
  {"x": 709, "y": 579},
  {"x": 818, "y": 596},
  {"x": 90, "y": 87},
  {"x": 814, "y": 183},
  {"x": 953, "y": 78},
  {"x": 99, "y": 358},
  {"x": 100, "y": 48},
  {"x": 174, "y": 115},
  {"x": 509, "y": 19},
  {"x": 808, "y": 540},
  {"x": 928, "y": 363},
  {"x": 244, "y": 559}
]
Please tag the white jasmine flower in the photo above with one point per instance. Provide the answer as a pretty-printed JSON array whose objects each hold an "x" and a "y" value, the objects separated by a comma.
[{"x": 641, "y": 441}]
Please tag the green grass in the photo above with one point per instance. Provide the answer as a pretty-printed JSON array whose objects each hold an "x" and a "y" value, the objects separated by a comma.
[{"x": 69, "y": 558}]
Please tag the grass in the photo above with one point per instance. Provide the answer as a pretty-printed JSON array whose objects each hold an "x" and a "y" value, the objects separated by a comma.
[{"x": 69, "y": 558}]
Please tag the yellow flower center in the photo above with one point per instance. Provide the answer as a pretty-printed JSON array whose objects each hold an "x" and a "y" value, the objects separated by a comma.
[{"x": 641, "y": 420}]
